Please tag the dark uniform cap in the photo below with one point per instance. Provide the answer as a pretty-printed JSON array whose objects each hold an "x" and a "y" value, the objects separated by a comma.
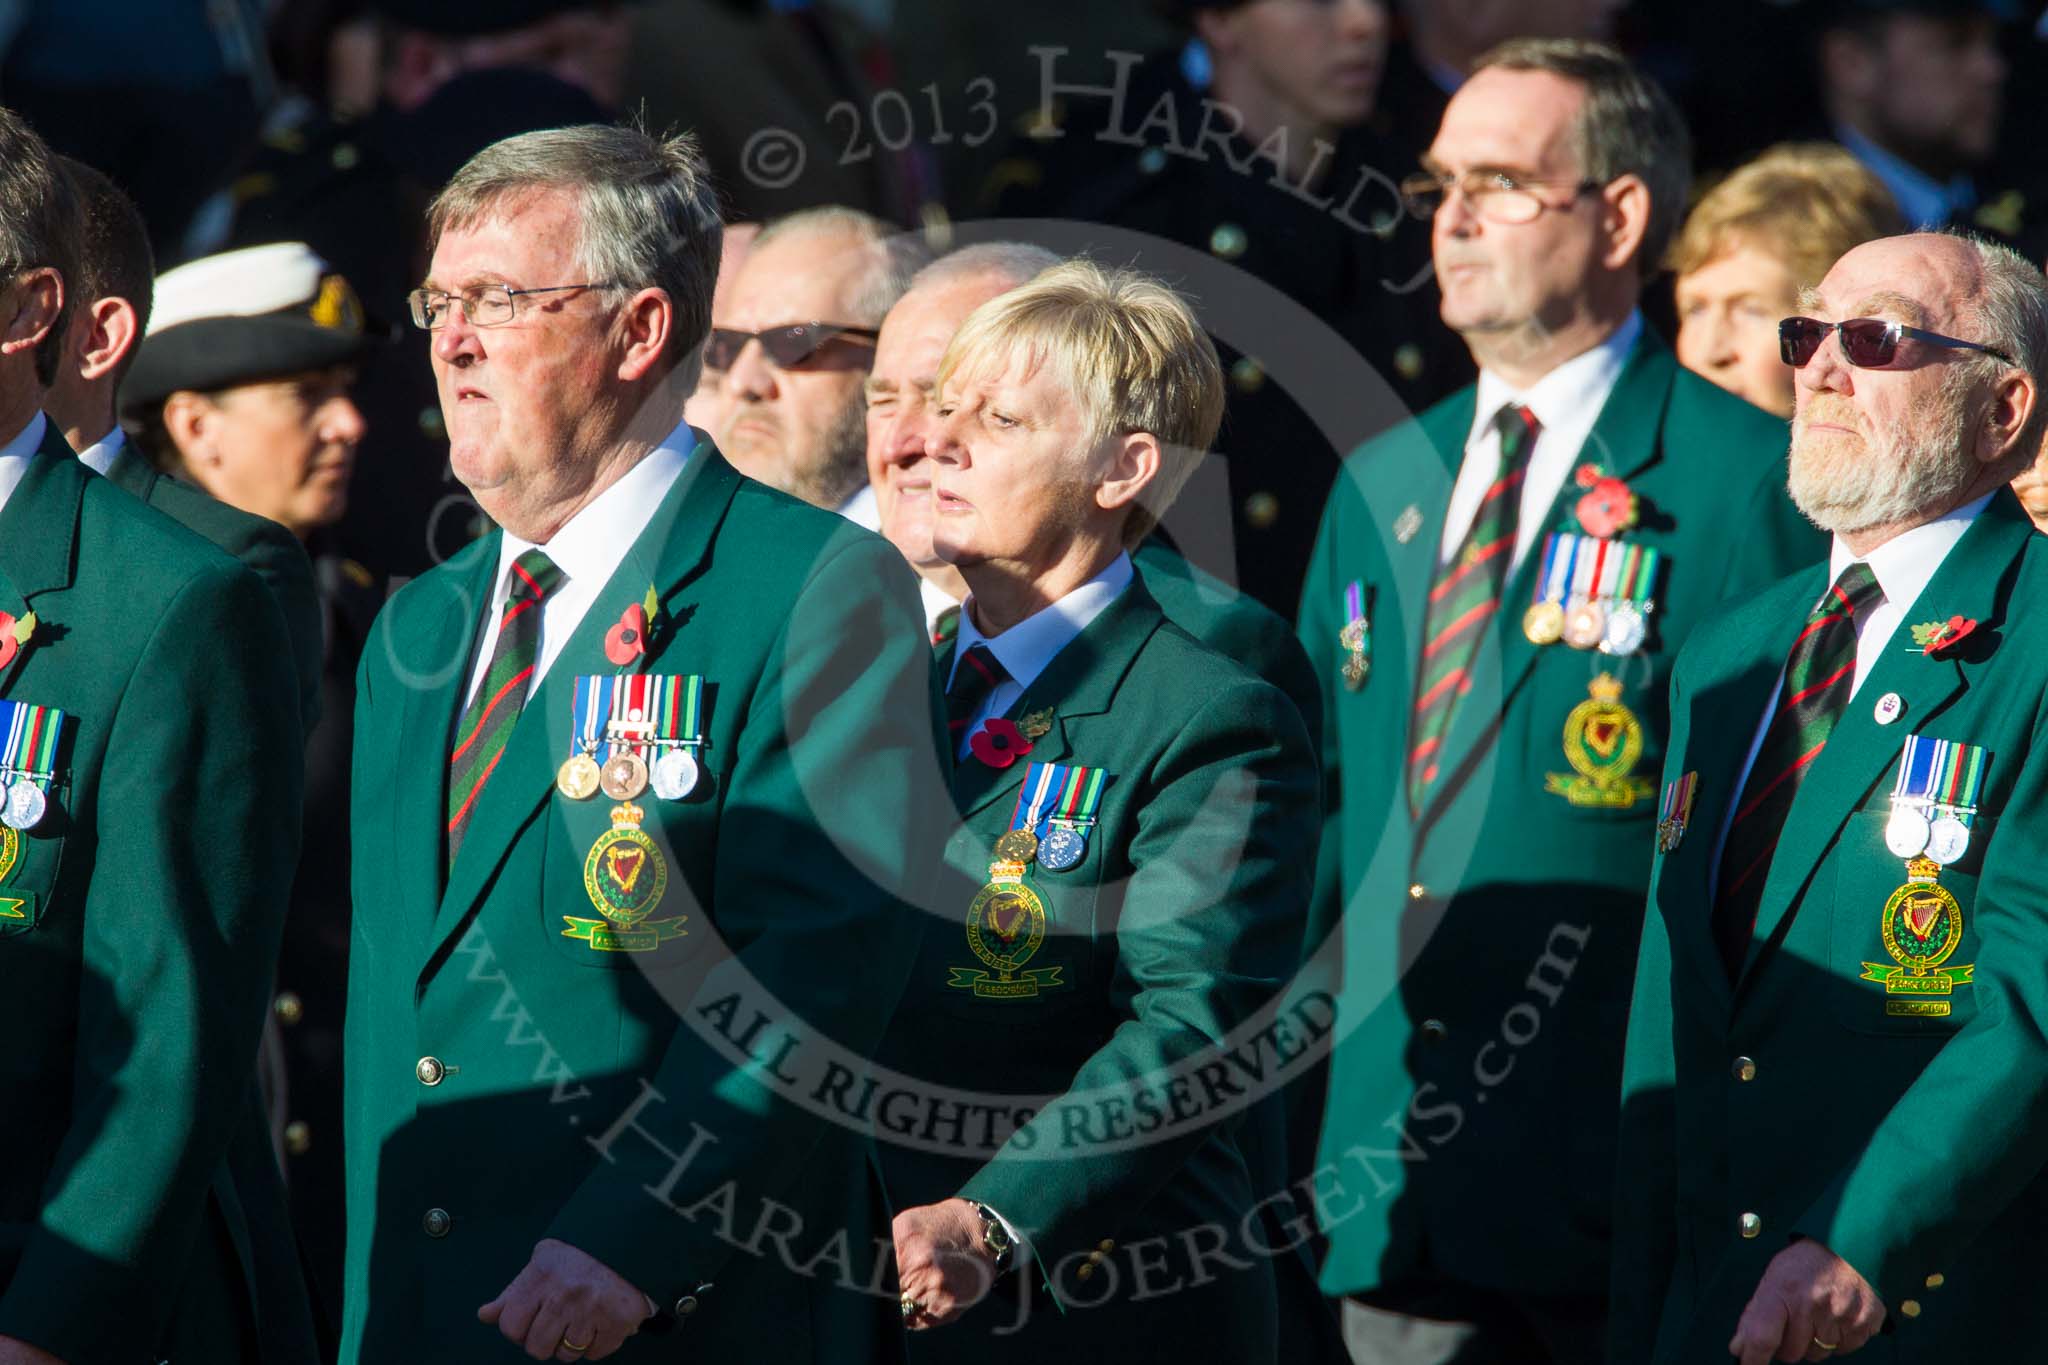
[
  {"x": 475, "y": 18},
  {"x": 242, "y": 317}
]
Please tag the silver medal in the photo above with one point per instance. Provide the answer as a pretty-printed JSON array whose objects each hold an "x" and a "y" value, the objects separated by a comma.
[
  {"x": 1905, "y": 834},
  {"x": 1626, "y": 630},
  {"x": 1063, "y": 847},
  {"x": 675, "y": 774},
  {"x": 25, "y": 805},
  {"x": 1947, "y": 840}
]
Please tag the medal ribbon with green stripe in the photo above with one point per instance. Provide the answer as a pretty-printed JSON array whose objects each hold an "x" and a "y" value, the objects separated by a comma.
[
  {"x": 677, "y": 705},
  {"x": 1058, "y": 794},
  {"x": 1577, "y": 569},
  {"x": 1944, "y": 774},
  {"x": 31, "y": 747}
]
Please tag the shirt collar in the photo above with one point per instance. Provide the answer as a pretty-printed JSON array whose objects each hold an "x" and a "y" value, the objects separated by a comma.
[
  {"x": 1925, "y": 201},
  {"x": 1906, "y": 562},
  {"x": 860, "y": 508},
  {"x": 1572, "y": 392},
  {"x": 1026, "y": 648},
  {"x": 100, "y": 456},
  {"x": 15, "y": 455},
  {"x": 937, "y": 601},
  {"x": 591, "y": 545}
]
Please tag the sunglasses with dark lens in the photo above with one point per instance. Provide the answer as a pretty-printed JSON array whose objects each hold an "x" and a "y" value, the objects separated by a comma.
[
  {"x": 788, "y": 346},
  {"x": 1868, "y": 343}
]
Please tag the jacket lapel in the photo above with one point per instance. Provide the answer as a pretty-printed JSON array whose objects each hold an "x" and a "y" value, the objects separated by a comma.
[
  {"x": 1624, "y": 441},
  {"x": 38, "y": 535},
  {"x": 667, "y": 555},
  {"x": 132, "y": 473},
  {"x": 1970, "y": 582},
  {"x": 1080, "y": 681}
]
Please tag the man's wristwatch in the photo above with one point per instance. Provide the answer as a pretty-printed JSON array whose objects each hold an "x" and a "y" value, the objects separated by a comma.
[{"x": 995, "y": 1238}]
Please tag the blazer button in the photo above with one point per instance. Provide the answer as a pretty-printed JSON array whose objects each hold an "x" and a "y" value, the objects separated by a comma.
[
  {"x": 436, "y": 1223},
  {"x": 298, "y": 1138},
  {"x": 1936, "y": 1281},
  {"x": 686, "y": 1305},
  {"x": 1261, "y": 510},
  {"x": 1108, "y": 1245},
  {"x": 1433, "y": 1031},
  {"x": 1910, "y": 1308},
  {"x": 1751, "y": 1225},
  {"x": 1745, "y": 1069},
  {"x": 1087, "y": 1269},
  {"x": 430, "y": 1071},
  {"x": 1417, "y": 891},
  {"x": 288, "y": 1008}
]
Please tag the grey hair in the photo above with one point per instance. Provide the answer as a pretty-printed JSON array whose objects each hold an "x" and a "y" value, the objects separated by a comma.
[
  {"x": 1629, "y": 126},
  {"x": 649, "y": 216},
  {"x": 1016, "y": 262},
  {"x": 2010, "y": 311},
  {"x": 893, "y": 257},
  {"x": 37, "y": 226}
]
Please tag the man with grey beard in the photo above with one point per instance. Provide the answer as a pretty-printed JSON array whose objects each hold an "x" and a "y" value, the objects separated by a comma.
[
  {"x": 1836, "y": 1069},
  {"x": 796, "y": 346}
]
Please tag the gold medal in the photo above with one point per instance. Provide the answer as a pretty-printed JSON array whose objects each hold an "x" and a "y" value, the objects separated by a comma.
[
  {"x": 577, "y": 778},
  {"x": 1018, "y": 846},
  {"x": 624, "y": 777},
  {"x": 1543, "y": 623}
]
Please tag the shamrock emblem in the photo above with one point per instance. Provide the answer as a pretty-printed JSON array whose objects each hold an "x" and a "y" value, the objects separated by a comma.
[
  {"x": 14, "y": 634},
  {"x": 1940, "y": 638}
]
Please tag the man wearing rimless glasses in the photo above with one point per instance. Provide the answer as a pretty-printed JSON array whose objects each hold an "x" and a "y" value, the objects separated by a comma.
[
  {"x": 796, "y": 348},
  {"x": 1835, "y": 1071}
]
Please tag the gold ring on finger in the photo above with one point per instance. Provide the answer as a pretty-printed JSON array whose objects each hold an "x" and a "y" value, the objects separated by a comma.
[{"x": 1825, "y": 1345}]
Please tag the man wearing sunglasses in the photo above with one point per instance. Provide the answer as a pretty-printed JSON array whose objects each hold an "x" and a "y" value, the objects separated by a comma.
[
  {"x": 1835, "y": 1069},
  {"x": 1494, "y": 716},
  {"x": 806, "y": 309}
]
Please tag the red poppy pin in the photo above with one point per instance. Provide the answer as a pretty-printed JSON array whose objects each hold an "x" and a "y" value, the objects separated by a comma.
[
  {"x": 14, "y": 634},
  {"x": 1938, "y": 639},
  {"x": 1608, "y": 507},
  {"x": 627, "y": 640},
  {"x": 998, "y": 742}
]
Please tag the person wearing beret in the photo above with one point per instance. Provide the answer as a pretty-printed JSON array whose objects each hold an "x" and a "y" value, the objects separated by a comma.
[
  {"x": 1127, "y": 885},
  {"x": 640, "y": 783},
  {"x": 1836, "y": 1077},
  {"x": 1496, "y": 596},
  {"x": 151, "y": 767}
]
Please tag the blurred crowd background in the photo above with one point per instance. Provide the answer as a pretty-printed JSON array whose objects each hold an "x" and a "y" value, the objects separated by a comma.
[{"x": 1268, "y": 137}]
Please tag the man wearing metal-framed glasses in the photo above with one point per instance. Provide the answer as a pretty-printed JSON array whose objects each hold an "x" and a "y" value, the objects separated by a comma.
[{"x": 1496, "y": 597}]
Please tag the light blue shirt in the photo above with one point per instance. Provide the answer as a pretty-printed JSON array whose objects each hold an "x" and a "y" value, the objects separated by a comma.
[
  {"x": 1025, "y": 649},
  {"x": 1926, "y": 203}
]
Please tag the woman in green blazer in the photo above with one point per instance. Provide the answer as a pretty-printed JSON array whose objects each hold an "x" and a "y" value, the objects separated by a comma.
[{"x": 1128, "y": 883}]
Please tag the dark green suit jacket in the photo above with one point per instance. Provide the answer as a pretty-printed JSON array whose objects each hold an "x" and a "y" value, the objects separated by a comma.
[
  {"x": 136, "y": 982},
  {"x": 271, "y": 551},
  {"x": 1910, "y": 1146},
  {"x": 1488, "y": 942},
  {"x": 658, "y": 1110},
  {"x": 1175, "y": 929}
]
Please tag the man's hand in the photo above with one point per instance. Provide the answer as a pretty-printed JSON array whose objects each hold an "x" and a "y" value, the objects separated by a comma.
[
  {"x": 564, "y": 1306},
  {"x": 1811, "y": 1305},
  {"x": 17, "y": 1352},
  {"x": 941, "y": 1263}
]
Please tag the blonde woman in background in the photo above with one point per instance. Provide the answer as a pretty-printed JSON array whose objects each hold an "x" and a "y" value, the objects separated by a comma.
[{"x": 1753, "y": 241}]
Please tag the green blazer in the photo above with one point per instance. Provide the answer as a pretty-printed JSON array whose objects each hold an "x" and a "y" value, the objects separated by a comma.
[
  {"x": 1175, "y": 928},
  {"x": 658, "y": 1109},
  {"x": 271, "y": 551},
  {"x": 1910, "y": 1146},
  {"x": 1487, "y": 944},
  {"x": 135, "y": 969}
]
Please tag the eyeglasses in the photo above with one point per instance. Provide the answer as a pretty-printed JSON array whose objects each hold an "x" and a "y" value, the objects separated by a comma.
[
  {"x": 1494, "y": 195},
  {"x": 487, "y": 305},
  {"x": 788, "y": 346},
  {"x": 1867, "y": 343}
]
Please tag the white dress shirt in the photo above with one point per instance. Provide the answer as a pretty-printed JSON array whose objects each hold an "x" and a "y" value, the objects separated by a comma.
[
  {"x": 937, "y": 602},
  {"x": 1026, "y": 648},
  {"x": 1903, "y": 565},
  {"x": 15, "y": 455},
  {"x": 1567, "y": 402},
  {"x": 861, "y": 510},
  {"x": 588, "y": 550},
  {"x": 100, "y": 456}
]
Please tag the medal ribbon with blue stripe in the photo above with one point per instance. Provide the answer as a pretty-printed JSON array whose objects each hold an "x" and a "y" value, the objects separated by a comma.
[
  {"x": 1943, "y": 774},
  {"x": 31, "y": 748},
  {"x": 592, "y": 709},
  {"x": 1041, "y": 780}
]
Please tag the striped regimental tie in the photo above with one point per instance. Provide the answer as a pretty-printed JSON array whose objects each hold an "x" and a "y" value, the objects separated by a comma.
[
  {"x": 1463, "y": 602},
  {"x": 1819, "y": 676},
  {"x": 978, "y": 674},
  {"x": 487, "y": 724}
]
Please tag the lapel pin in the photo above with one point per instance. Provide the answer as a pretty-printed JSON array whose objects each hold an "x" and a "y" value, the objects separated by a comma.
[
  {"x": 1408, "y": 523},
  {"x": 1889, "y": 708}
]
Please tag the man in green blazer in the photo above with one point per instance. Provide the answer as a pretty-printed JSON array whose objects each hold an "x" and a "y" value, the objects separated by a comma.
[
  {"x": 634, "y": 801},
  {"x": 1494, "y": 603},
  {"x": 1835, "y": 1073},
  {"x": 152, "y": 774}
]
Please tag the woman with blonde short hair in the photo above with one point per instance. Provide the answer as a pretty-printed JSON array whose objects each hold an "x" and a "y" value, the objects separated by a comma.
[
  {"x": 1130, "y": 879},
  {"x": 1753, "y": 241}
]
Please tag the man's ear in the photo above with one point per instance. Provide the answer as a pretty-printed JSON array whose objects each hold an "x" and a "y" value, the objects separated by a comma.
[
  {"x": 1625, "y": 212},
  {"x": 645, "y": 324},
  {"x": 189, "y": 418},
  {"x": 2012, "y": 405},
  {"x": 33, "y": 302},
  {"x": 1134, "y": 461},
  {"x": 109, "y": 335}
]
